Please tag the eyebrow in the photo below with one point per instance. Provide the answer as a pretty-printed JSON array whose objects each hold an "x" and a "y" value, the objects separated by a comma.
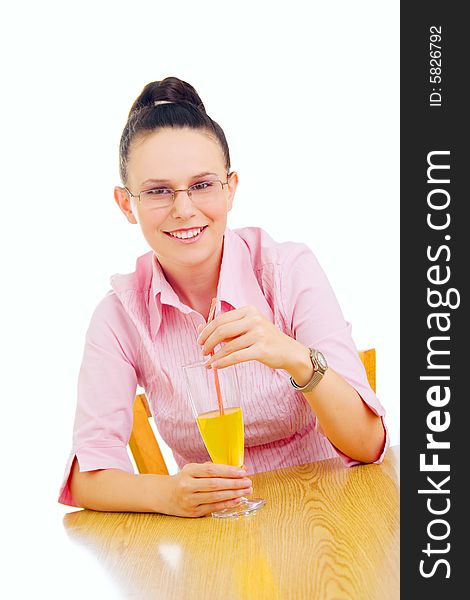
[{"x": 147, "y": 181}]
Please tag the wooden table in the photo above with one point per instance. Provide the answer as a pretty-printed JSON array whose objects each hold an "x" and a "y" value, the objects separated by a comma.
[{"x": 326, "y": 532}]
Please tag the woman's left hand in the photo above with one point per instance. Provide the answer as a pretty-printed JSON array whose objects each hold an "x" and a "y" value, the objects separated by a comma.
[{"x": 248, "y": 335}]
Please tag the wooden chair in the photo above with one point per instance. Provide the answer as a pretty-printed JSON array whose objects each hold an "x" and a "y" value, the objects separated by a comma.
[
  {"x": 368, "y": 360},
  {"x": 144, "y": 445}
]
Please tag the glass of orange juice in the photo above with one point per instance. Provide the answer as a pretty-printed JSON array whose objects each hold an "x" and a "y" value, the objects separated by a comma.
[{"x": 214, "y": 395}]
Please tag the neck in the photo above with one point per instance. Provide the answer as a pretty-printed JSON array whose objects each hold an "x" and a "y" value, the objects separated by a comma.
[{"x": 195, "y": 285}]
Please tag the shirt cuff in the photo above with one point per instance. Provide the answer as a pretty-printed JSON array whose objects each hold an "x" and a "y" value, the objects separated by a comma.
[{"x": 92, "y": 459}]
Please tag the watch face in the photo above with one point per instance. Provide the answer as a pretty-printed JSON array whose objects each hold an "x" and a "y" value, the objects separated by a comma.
[{"x": 321, "y": 360}]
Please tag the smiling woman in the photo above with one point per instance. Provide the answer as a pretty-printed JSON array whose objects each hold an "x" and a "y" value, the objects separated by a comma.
[
  {"x": 182, "y": 192},
  {"x": 304, "y": 390}
]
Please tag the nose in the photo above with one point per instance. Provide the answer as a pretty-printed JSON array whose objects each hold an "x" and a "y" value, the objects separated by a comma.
[{"x": 182, "y": 208}]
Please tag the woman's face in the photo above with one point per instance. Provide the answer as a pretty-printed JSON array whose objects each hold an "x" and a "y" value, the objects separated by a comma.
[{"x": 177, "y": 159}]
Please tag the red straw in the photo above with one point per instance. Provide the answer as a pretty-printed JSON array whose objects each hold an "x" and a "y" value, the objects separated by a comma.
[{"x": 216, "y": 375}]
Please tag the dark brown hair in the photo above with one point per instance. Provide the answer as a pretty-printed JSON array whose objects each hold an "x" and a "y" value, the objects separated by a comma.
[{"x": 184, "y": 108}]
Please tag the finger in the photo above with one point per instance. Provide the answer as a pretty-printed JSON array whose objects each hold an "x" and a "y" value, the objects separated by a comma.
[
  {"x": 207, "y": 509},
  {"x": 217, "y": 322},
  {"x": 210, "y": 469},
  {"x": 218, "y": 484},
  {"x": 234, "y": 345},
  {"x": 231, "y": 315},
  {"x": 233, "y": 359},
  {"x": 213, "y": 497},
  {"x": 225, "y": 333}
]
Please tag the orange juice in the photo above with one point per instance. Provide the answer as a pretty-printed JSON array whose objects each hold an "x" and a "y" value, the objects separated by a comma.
[{"x": 223, "y": 435}]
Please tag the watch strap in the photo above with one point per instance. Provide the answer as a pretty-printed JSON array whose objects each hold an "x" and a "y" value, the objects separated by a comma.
[{"x": 318, "y": 373}]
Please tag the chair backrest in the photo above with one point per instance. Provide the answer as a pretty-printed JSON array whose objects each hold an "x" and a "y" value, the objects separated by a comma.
[
  {"x": 368, "y": 358},
  {"x": 144, "y": 445}
]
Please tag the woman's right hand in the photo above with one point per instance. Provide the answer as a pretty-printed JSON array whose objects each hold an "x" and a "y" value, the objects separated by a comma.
[{"x": 199, "y": 489}]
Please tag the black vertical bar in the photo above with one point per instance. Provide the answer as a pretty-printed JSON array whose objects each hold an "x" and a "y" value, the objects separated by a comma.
[{"x": 435, "y": 253}]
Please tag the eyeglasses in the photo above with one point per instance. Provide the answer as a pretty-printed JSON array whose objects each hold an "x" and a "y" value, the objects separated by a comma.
[{"x": 199, "y": 193}]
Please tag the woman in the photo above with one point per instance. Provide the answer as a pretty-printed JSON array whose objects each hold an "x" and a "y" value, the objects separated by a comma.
[{"x": 305, "y": 391}]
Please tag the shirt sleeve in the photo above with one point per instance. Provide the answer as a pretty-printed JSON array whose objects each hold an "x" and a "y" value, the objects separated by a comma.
[
  {"x": 316, "y": 320},
  {"x": 107, "y": 384}
]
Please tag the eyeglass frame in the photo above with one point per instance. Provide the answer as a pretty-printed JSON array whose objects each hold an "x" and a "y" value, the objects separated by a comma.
[{"x": 174, "y": 192}]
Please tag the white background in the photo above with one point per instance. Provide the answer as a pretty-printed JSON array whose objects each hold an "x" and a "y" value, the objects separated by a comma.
[{"x": 308, "y": 96}]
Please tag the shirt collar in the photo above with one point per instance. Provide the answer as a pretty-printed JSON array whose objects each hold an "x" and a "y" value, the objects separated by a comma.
[
  {"x": 238, "y": 285},
  {"x": 162, "y": 288}
]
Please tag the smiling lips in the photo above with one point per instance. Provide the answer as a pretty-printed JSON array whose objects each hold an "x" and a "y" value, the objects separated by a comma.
[{"x": 186, "y": 234}]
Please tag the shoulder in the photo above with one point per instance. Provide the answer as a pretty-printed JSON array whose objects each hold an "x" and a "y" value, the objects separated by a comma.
[
  {"x": 109, "y": 312},
  {"x": 110, "y": 317},
  {"x": 264, "y": 250},
  {"x": 111, "y": 331},
  {"x": 139, "y": 280},
  {"x": 111, "y": 324}
]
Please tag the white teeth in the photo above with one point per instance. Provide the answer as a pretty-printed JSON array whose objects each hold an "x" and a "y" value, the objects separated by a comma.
[{"x": 187, "y": 234}]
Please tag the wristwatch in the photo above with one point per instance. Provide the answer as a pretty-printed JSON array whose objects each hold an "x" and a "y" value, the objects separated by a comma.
[{"x": 319, "y": 367}]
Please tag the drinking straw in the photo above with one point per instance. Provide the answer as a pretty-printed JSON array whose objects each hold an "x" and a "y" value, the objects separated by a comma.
[{"x": 216, "y": 376}]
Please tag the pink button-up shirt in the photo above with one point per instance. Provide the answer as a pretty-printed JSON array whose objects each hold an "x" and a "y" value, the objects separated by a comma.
[{"x": 141, "y": 334}]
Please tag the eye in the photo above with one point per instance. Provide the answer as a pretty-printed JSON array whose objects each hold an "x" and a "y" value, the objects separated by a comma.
[
  {"x": 159, "y": 192},
  {"x": 203, "y": 186}
]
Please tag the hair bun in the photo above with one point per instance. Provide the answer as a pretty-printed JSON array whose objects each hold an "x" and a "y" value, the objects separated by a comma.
[
  {"x": 170, "y": 89},
  {"x": 182, "y": 108}
]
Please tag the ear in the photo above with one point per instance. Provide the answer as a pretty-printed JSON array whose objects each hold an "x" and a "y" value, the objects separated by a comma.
[
  {"x": 123, "y": 201},
  {"x": 232, "y": 187}
]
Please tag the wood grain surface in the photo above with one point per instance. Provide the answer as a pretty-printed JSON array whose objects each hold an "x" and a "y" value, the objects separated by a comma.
[{"x": 326, "y": 532}]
